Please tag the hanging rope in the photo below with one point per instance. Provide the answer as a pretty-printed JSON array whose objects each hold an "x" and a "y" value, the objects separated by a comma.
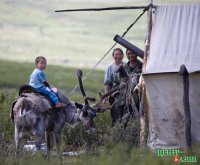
[
  {"x": 135, "y": 21},
  {"x": 90, "y": 72}
]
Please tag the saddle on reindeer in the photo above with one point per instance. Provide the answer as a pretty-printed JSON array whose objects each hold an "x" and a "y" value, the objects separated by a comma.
[{"x": 38, "y": 100}]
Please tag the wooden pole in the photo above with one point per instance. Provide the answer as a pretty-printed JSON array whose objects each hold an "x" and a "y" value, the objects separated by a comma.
[
  {"x": 143, "y": 110},
  {"x": 186, "y": 103},
  {"x": 148, "y": 37},
  {"x": 103, "y": 9}
]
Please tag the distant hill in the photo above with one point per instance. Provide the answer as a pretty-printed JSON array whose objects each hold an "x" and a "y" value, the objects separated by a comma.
[{"x": 31, "y": 28}]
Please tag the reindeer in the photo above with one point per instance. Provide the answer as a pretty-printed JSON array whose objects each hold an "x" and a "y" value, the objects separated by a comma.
[
  {"x": 125, "y": 92},
  {"x": 42, "y": 123}
]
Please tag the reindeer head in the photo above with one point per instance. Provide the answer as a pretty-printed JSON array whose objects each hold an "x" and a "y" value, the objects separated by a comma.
[{"x": 87, "y": 113}]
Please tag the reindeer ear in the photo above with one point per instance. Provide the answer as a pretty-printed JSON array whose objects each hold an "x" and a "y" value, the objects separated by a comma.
[
  {"x": 85, "y": 113},
  {"x": 78, "y": 105}
]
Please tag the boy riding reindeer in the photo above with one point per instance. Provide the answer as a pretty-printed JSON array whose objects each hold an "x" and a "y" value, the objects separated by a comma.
[{"x": 39, "y": 82}]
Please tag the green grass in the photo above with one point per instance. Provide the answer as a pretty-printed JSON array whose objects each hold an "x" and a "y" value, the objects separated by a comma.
[
  {"x": 109, "y": 144},
  {"x": 117, "y": 156}
]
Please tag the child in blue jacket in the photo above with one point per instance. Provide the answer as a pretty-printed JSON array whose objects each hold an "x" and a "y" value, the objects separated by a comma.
[{"x": 39, "y": 82}]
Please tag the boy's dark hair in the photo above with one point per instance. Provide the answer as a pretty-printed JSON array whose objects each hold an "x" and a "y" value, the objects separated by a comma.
[
  {"x": 39, "y": 58},
  {"x": 118, "y": 50}
]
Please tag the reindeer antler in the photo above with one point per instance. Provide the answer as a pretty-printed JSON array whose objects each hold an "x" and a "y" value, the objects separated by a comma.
[
  {"x": 79, "y": 74},
  {"x": 121, "y": 86}
]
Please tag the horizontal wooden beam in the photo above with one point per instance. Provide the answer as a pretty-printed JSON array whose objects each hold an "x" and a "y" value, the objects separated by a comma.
[{"x": 105, "y": 8}]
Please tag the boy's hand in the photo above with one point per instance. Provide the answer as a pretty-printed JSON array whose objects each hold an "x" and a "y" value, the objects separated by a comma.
[
  {"x": 54, "y": 89},
  {"x": 46, "y": 84}
]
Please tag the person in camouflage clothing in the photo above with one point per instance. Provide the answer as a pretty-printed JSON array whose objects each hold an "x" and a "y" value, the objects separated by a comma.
[{"x": 126, "y": 101}]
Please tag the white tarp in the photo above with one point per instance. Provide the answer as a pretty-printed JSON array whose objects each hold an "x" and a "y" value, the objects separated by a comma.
[
  {"x": 166, "y": 112},
  {"x": 175, "y": 39}
]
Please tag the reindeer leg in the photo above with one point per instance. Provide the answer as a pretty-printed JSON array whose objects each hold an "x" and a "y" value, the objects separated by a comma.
[
  {"x": 40, "y": 132},
  {"x": 48, "y": 141},
  {"x": 57, "y": 137},
  {"x": 57, "y": 141},
  {"x": 18, "y": 136},
  {"x": 38, "y": 141}
]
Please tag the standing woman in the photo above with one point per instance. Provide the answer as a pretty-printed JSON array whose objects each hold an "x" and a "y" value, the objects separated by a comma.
[{"x": 110, "y": 76}]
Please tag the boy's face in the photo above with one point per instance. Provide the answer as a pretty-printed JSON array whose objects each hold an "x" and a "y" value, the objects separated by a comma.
[{"x": 41, "y": 64}]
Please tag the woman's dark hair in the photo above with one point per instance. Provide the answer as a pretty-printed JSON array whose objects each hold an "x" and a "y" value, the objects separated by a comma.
[{"x": 118, "y": 50}]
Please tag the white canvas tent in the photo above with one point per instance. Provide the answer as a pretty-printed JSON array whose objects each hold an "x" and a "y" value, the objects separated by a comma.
[{"x": 175, "y": 40}]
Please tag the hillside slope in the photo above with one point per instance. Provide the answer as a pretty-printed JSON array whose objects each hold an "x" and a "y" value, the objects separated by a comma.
[{"x": 31, "y": 28}]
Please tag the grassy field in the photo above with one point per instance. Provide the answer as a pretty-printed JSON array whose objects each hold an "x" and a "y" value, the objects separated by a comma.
[
  {"x": 110, "y": 145},
  {"x": 69, "y": 41},
  {"x": 14, "y": 74}
]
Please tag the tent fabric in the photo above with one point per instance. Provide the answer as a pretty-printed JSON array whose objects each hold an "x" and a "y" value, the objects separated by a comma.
[
  {"x": 194, "y": 98},
  {"x": 166, "y": 112},
  {"x": 175, "y": 39},
  {"x": 166, "y": 117}
]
